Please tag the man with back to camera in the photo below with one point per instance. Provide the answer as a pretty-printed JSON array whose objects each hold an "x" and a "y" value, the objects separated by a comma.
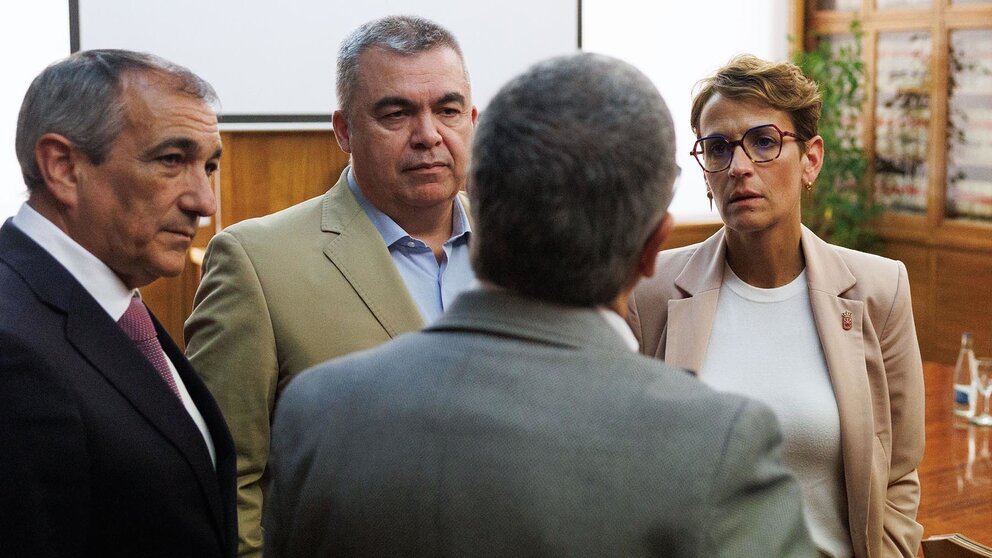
[
  {"x": 523, "y": 422},
  {"x": 110, "y": 445},
  {"x": 383, "y": 252}
]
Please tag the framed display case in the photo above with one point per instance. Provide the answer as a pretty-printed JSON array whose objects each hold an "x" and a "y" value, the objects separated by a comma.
[{"x": 926, "y": 126}]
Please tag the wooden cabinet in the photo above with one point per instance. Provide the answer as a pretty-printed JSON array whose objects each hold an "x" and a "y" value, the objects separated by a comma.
[{"x": 927, "y": 126}]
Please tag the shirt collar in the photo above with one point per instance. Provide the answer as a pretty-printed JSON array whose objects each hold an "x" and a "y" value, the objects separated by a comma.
[
  {"x": 99, "y": 280},
  {"x": 620, "y": 326},
  {"x": 390, "y": 231}
]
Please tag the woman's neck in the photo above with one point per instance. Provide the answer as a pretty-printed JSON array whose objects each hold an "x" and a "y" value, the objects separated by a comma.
[{"x": 766, "y": 259}]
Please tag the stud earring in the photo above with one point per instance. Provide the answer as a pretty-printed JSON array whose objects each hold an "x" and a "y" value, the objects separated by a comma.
[{"x": 809, "y": 186}]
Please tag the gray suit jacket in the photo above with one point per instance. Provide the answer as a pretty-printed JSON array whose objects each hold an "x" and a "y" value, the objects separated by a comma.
[{"x": 517, "y": 428}]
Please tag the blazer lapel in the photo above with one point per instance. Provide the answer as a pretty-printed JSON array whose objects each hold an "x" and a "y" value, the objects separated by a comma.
[
  {"x": 690, "y": 319},
  {"x": 218, "y": 482},
  {"x": 98, "y": 339},
  {"x": 357, "y": 250},
  {"x": 843, "y": 346}
]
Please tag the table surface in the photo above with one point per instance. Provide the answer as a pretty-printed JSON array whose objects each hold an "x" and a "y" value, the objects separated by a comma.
[{"x": 956, "y": 472}]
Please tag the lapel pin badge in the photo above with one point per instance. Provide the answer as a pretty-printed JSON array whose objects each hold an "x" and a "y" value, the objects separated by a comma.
[{"x": 847, "y": 320}]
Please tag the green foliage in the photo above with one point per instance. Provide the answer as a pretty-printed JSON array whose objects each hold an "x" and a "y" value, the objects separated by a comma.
[{"x": 841, "y": 206}]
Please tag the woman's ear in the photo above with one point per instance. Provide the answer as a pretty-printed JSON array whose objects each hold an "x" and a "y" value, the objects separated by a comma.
[{"x": 813, "y": 158}]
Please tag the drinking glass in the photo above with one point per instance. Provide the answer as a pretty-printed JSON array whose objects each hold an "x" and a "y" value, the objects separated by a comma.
[{"x": 983, "y": 385}]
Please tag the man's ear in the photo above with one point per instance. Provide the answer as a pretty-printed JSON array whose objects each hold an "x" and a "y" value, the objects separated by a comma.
[
  {"x": 57, "y": 159},
  {"x": 649, "y": 253},
  {"x": 341, "y": 130}
]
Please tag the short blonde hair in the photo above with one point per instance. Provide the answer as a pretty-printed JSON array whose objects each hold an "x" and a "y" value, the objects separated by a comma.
[{"x": 780, "y": 85}]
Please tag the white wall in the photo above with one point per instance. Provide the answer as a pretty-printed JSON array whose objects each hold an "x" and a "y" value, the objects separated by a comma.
[
  {"x": 32, "y": 35},
  {"x": 674, "y": 43},
  {"x": 278, "y": 58},
  {"x": 678, "y": 43}
]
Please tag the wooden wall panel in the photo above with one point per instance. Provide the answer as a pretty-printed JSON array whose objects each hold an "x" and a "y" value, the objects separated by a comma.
[
  {"x": 952, "y": 293},
  {"x": 919, "y": 267},
  {"x": 263, "y": 172},
  {"x": 689, "y": 233},
  {"x": 962, "y": 302}
]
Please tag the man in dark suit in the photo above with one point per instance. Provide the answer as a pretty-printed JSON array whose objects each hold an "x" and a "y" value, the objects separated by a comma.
[
  {"x": 522, "y": 422},
  {"x": 109, "y": 443}
]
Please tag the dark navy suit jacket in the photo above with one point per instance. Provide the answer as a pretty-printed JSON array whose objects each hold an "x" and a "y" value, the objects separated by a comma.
[{"x": 97, "y": 456}]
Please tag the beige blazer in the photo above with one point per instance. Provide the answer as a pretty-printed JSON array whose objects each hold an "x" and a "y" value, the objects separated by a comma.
[
  {"x": 280, "y": 294},
  {"x": 875, "y": 368}
]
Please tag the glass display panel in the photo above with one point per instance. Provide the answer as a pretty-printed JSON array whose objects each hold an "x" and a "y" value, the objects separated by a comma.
[
  {"x": 903, "y": 4},
  {"x": 851, "y": 118},
  {"x": 902, "y": 117},
  {"x": 969, "y": 126},
  {"x": 839, "y": 5}
]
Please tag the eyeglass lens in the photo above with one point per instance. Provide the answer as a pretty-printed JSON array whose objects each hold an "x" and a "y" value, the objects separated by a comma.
[{"x": 761, "y": 144}]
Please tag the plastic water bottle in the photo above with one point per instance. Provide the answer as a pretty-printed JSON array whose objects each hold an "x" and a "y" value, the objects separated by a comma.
[{"x": 964, "y": 373}]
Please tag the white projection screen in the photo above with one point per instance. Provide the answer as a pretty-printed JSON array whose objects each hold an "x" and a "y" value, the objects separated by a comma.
[{"x": 273, "y": 63}]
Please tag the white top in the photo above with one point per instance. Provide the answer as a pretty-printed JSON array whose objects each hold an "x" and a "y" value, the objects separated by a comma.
[
  {"x": 102, "y": 284},
  {"x": 764, "y": 345}
]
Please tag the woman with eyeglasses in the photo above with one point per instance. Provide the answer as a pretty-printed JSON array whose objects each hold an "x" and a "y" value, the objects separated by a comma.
[{"x": 823, "y": 335}]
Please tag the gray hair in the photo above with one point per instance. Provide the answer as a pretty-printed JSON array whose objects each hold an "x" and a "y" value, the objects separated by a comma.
[
  {"x": 573, "y": 168},
  {"x": 400, "y": 34},
  {"x": 81, "y": 98}
]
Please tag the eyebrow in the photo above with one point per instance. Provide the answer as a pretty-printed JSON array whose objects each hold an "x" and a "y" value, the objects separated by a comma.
[
  {"x": 182, "y": 143},
  {"x": 403, "y": 102},
  {"x": 452, "y": 97}
]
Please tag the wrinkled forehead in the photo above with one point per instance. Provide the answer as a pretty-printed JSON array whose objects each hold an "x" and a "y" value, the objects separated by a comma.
[
  {"x": 438, "y": 68},
  {"x": 156, "y": 112},
  {"x": 148, "y": 95}
]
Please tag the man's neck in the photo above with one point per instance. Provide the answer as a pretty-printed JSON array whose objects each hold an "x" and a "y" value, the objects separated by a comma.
[{"x": 432, "y": 225}]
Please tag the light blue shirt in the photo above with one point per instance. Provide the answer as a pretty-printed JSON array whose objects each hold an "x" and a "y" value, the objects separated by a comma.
[{"x": 432, "y": 285}]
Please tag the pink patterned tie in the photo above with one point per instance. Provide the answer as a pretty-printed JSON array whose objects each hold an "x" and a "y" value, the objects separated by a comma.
[{"x": 137, "y": 324}]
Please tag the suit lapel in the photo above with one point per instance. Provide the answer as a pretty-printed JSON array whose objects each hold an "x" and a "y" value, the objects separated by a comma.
[
  {"x": 357, "y": 250},
  {"x": 101, "y": 342},
  {"x": 218, "y": 481},
  {"x": 690, "y": 319},
  {"x": 829, "y": 277}
]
